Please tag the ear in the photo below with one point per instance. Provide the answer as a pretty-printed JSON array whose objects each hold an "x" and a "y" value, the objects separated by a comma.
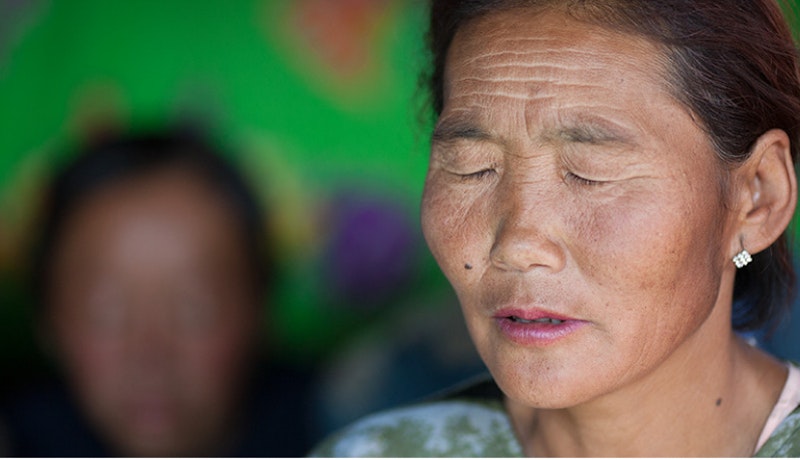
[{"x": 768, "y": 193}]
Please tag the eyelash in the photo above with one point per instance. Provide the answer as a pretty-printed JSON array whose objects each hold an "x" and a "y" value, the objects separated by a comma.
[
  {"x": 581, "y": 180},
  {"x": 477, "y": 175},
  {"x": 570, "y": 176}
]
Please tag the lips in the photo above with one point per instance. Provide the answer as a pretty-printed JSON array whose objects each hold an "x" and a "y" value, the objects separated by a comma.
[
  {"x": 532, "y": 315},
  {"x": 536, "y": 327},
  {"x": 539, "y": 320}
]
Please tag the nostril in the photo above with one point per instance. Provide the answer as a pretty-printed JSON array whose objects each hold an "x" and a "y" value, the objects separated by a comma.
[{"x": 524, "y": 251}]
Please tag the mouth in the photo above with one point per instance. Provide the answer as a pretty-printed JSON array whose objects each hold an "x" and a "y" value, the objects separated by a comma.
[
  {"x": 536, "y": 327},
  {"x": 532, "y": 316},
  {"x": 544, "y": 320}
]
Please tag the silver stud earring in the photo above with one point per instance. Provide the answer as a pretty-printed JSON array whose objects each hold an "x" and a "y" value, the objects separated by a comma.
[{"x": 743, "y": 258}]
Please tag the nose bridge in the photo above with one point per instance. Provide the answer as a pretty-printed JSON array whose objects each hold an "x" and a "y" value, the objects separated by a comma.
[
  {"x": 149, "y": 337},
  {"x": 527, "y": 225}
]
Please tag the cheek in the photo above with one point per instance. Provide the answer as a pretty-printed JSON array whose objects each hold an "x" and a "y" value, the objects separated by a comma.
[
  {"x": 91, "y": 355},
  {"x": 618, "y": 242},
  {"x": 212, "y": 363},
  {"x": 456, "y": 228},
  {"x": 211, "y": 357},
  {"x": 643, "y": 232},
  {"x": 654, "y": 258},
  {"x": 95, "y": 366}
]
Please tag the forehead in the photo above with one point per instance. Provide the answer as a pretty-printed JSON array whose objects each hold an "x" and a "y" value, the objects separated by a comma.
[
  {"x": 516, "y": 46},
  {"x": 523, "y": 34},
  {"x": 171, "y": 194},
  {"x": 539, "y": 64},
  {"x": 166, "y": 213}
]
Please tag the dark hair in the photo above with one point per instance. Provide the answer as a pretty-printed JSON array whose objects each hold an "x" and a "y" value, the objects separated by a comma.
[
  {"x": 733, "y": 63},
  {"x": 103, "y": 163}
]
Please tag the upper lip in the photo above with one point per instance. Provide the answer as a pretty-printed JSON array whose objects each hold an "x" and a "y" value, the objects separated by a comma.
[{"x": 531, "y": 314}]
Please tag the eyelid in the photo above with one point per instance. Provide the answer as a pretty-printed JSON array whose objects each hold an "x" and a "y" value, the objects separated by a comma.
[
  {"x": 465, "y": 163},
  {"x": 571, "y": 176},
  {"x": 478, "y": 174}
]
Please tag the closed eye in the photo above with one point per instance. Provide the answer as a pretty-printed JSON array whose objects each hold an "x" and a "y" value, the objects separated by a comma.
[
  {"x": 483, "y": 173},
  {"x": 572, "y": 177}
]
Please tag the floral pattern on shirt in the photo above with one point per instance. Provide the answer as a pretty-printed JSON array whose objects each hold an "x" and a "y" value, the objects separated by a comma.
[{"x": 459, "y": 426}]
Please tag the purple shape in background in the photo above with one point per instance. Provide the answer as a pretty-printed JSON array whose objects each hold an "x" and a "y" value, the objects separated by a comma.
[{"x": 371, "y": 253}]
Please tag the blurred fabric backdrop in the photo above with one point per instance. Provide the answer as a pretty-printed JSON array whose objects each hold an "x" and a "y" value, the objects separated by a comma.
[
  {"x": 319, "y": 103},
  {"x": 311, "y": 96}
]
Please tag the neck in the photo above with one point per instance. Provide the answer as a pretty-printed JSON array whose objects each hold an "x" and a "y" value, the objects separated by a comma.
[{"x": 711, "y": 397}]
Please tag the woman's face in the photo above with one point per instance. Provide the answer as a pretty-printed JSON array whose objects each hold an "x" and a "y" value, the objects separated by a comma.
[
  {"x": 575, "y": 207},
  {"x": 153, "y": 313}
]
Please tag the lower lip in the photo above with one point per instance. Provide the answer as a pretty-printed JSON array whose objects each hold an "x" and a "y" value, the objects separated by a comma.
[{"x": 537, "y": 334}]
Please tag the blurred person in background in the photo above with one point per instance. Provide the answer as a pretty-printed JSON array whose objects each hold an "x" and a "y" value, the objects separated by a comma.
[{"x": 151, "y": 275}]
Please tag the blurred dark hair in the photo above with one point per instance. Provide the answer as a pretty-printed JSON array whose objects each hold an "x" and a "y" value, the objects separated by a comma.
[
  {"x": 99, "y": 164},
  {"x": 732, "y": 63}
]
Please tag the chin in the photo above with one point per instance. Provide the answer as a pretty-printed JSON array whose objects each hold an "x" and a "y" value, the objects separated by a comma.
[
  {"x": 538, "y": 397},
  {"x": 550, "y": 397},
  {"x": 544, "y": 385}
]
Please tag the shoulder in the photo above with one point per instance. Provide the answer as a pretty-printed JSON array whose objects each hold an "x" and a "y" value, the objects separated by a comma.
[
  {"x": 440, "y": 429},
  {"x": 785, "y": 440},
  {"x": 462, "y": 424}
]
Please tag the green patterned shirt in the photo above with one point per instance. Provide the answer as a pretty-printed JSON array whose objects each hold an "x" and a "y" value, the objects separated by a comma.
[{"x": 472, "y": 422}]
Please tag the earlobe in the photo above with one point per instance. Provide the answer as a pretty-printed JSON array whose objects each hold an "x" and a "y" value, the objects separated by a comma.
[{"x": 770, "y": 192}]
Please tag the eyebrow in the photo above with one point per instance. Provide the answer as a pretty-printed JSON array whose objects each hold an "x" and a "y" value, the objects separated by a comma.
[
  {"x": 585, "y": 131},
  {"x": 591, "y": 133},
  {"x": 452, "y": 130}
]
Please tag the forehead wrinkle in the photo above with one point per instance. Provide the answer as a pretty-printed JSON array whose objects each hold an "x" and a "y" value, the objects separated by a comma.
[
  {"x": 551, "y": 67},
  {"x": 496, "y": 93},
  {"x": 500, "y": 80},
  {"x": 534, "y": 73},
  {"x": 507, "y": 46},
  {"x": 507, "y": 55},
  {"x": 564, "y": 58},
  {"x": 552, "y": 46},
  {"x": 491, "y": 55}
]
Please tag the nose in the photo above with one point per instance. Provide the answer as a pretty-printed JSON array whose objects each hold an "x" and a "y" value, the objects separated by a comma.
[
  {"x": 526, "y": 235},
  {"x": 149, "y": 343}
]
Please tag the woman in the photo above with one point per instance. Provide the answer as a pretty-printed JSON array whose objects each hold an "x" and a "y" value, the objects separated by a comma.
[
  {"x": 600, "y": 173},
  {"x": 151, "y": 273}
]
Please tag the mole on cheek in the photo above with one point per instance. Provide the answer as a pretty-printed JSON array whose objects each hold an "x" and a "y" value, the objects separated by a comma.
[{"x": 468, "y": 266}]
